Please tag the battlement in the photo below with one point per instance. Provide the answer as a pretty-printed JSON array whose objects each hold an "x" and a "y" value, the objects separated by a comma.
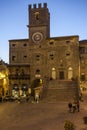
[{"x": 34, "y": 6}]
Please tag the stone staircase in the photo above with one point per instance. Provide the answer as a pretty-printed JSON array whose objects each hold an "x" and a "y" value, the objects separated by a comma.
[{"x": 60, "y": 90}]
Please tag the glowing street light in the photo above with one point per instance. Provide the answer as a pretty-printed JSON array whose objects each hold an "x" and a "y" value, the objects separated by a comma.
[{"x": 2, "y": 76}]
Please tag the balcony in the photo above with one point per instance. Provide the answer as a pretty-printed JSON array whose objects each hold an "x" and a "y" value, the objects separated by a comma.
[{"x": 15, "y": 76}]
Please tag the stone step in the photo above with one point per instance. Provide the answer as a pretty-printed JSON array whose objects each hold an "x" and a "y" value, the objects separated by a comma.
[
  {"x": 56, "y": 83},
  {"x": 61, "y": 90}
]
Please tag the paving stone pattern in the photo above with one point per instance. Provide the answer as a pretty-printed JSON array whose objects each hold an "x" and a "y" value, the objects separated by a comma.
[{"x": 40, "y": 116}]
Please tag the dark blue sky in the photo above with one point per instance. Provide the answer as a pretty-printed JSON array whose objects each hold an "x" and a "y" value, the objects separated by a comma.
[{"x": 68, "y": 17}]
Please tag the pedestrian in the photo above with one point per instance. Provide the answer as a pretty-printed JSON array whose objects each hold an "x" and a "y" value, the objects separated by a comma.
[
  {"x": 78, "y": 105},
  {"x": 27, "y": 98},
  {"x": 19, "y": 99},
  {"x": 80, "y": 96},
  {"x": 37, "y": 97},
  {"x": 70, "y": 106},
  {"x": 74, "y": 107}
]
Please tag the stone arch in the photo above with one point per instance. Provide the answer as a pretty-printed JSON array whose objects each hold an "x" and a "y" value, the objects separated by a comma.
[
  {"x": 53, "y": 73},
  {"x": 70, "y": 73}
]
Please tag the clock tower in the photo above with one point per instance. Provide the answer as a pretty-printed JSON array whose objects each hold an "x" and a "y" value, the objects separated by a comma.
[{"x": 39, "y": 23}]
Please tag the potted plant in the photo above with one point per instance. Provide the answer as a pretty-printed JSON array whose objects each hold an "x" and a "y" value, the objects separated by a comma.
[{"x": 69, "y": 125}]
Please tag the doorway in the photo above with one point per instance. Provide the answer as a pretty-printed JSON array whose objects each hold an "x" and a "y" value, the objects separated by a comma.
[
  {"x": 53, "y": 73},
  {"x": 61, "y": 75},
  {"x": 70, "y": 73}
]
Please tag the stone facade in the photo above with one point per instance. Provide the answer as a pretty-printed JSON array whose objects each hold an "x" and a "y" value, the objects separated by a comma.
[
  {"x": 83, "y": 60},
  {"x": 40, "y": 55},
  {"x": 83, "y": 64},
  {"x": 4, "y": 81}
]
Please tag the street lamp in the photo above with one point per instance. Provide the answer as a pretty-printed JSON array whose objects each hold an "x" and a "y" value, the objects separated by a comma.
[{"x": 2, "y": 76}]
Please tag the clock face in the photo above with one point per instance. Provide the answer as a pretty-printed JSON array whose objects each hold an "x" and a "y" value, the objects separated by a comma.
[{"x": 37, "y": 37}]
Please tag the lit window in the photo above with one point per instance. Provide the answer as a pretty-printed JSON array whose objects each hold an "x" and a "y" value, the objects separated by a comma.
[{"x": 53, "y": 69}]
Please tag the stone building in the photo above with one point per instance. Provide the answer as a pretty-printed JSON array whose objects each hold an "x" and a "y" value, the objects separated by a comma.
[
  {"x": 83, "y": 63},
  {"x": 41, "y": 56},
  {"x": 4, "y": 81}
]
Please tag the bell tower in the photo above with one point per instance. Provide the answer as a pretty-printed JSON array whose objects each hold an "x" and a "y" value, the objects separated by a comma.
[{"x": 39, "y": 23}]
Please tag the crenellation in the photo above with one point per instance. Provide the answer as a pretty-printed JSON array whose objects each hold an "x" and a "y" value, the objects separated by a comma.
[
  {"x": 45, "y": 5},
  {"x": 39, "y": 5},
  {"x": 34, "y": 6},
  {"x": 30, "y": 6}
]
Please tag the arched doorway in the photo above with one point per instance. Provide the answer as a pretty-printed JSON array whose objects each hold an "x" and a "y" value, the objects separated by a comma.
[
  {"x": 15, "y": 90},
  {"x": 70, "y": 73},
  {"x": 53, "y": 73},
  {"x": 61, "y": 75},
  {"x": 24, "y": 90}
]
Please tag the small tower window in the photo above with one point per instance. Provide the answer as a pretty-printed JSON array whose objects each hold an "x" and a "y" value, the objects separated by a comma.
[
  {"x": 37, "y": 15},
  {"x": 13, "y": 58},
  {"x": 25, "y": 44},
  {"x": 13, "y": 45}
]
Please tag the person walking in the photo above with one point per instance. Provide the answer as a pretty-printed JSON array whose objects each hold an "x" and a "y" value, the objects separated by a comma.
[
  {"x": 70, "y": 106},
  {"x": 78, "y": 106},
  {"x": 74, "y": 107}
]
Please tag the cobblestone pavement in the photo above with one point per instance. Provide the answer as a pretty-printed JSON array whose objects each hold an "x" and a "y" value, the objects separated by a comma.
[{"x": 40, "y": 116}]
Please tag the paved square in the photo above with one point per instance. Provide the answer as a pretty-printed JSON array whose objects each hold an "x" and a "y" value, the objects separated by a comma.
[{"x": 39, "y": 116}]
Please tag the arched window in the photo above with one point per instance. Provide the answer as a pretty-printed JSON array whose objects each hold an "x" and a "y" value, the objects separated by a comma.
[
  {"x": 70, "y": 73},
  {"x": 37, "y": 15},
  {"x": 53, "y": 73},
  {"x": 24, "y": 87},
  {"x": 15, "y": 87}
]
